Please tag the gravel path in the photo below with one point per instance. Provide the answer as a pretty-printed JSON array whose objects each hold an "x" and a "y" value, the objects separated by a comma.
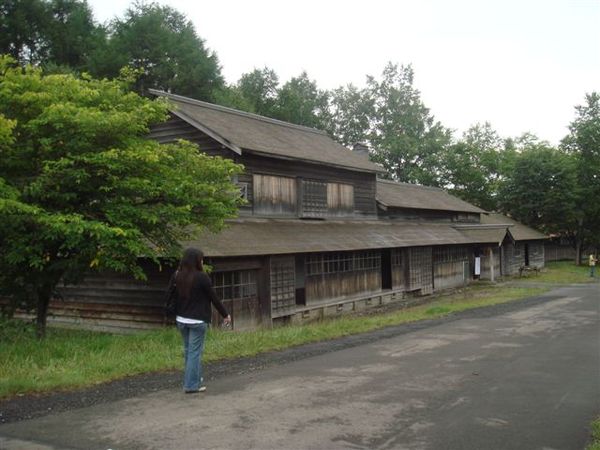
[{"x": 32, "y": 406}]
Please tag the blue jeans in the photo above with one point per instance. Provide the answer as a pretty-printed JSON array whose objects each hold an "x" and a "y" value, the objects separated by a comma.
[
  {"x": 193, "y": 347},
  {"x": 592, "y": 270}
]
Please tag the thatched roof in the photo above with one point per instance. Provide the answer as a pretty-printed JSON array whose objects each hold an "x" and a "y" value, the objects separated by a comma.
[
  {"x": 413, "y": 196},
  {"x": 242, "y": 131}
]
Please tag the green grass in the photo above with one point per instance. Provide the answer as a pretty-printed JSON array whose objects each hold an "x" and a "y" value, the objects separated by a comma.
[
  {"x": 595, "y": 442},
  {"x": 69, "y": 359},
  {"x": 565, "y": 272}
]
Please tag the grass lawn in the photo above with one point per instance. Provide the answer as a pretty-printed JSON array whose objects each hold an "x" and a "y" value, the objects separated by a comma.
[
  {"x": 69, "y": 359},
  {"x": 562, "y": 272},
  {"x": 595, "y": 443}
]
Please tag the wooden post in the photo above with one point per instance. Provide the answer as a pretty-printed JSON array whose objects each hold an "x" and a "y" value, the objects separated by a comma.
[{"x": 491, "y": 251}]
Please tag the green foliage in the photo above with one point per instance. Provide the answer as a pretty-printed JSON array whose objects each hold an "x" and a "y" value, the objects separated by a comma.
[
  {"x": 584, "y": 143},
  {"x": 352, "y": 111},
  {"x": 260, "y": 88},
  {"x": 163, "y": 45},
  {"x": 471, "y": 167},
  {"x": 300, "y": 101},
  {"x": 49, "y": 32},
  {"x": 390, "y": 116},
  {"x": 541, "y": 189},
  {"x": 81, "y": 187}
]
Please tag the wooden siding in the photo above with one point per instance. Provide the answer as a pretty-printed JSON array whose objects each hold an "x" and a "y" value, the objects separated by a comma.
[
  {"x": 486, "y": 263},
  {"x": 420, "y": 270},
  {"x": 450, "y": 266},
  {"x": 399, "y": 269},
  {"x": 332, "y": 286},
  {"x": 513, "y": 255},
  {"x": 274, "y": 195},
  {"x": 176, "y": 128},
  {"x": 537, "y": 256},
  {"x": 558, "y": 252},
  {"x": 340, "y": 199},
  {"x": 364, "y": 184},
  {"x": 283, "y": 285}
]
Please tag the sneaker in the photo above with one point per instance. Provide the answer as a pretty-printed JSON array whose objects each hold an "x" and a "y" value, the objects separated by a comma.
[{"x": 195, "y": 391}]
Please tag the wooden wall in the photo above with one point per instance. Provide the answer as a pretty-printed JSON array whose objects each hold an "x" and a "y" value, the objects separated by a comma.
[
  {"x": 486, "y": 263},
  {"x": 536, "y": 253},
  {"x": 399, "y": 269},
  {"x": 420, "y": 270},
  {"x": 558, "y": 252},
  {"x": 363, "y": 183},
  {"x": 333, "y": 286},
  {"x": 513, "y": 256},
  {"x": 450, "y": 266}
]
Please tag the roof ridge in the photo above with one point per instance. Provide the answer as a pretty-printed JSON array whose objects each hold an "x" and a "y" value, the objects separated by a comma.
[{"x": 227, "y": 110}]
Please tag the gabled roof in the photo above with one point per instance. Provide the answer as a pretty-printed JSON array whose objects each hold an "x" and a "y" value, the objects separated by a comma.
[
  {"x": 518, "y": 231},
  {"x": 241, "y": 131},
  {"x": 414, "y": 196},
  {"x": 488, "y": 234}
]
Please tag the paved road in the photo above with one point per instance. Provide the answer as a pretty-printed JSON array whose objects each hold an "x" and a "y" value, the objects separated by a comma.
[{"x": 527, "y": 379}]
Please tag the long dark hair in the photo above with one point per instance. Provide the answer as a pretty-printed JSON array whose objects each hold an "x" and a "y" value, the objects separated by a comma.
[{"x": 189, "y": 266}]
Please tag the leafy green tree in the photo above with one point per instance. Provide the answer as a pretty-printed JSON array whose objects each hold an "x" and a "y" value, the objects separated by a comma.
[
  {"x": 72, "y": 34},
  {"x": 471, "y": 167},
  {"x": 300, "y": 101},
  {"x": 82, "y": 188},
  {"x": 541, "y": 189},
  {"x": 49, "y": 32},
  {"x": 162, "y": 44},
  {"x": 260, "y": 89},
  {"x": 23, "y": 30},
  {"x": 583, "y": 142},
  {"x": 352, "y": 112},
  {"x": 406, "y": 138}
]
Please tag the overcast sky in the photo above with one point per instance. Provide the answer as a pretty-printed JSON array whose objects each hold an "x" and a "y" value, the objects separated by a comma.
[{"x": 521, "y": 65}]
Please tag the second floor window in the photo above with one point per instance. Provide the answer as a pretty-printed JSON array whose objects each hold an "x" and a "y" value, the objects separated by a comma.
[{"x": 273, "y": 195}]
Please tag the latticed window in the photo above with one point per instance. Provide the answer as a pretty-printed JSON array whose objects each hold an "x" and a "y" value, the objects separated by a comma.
[
  {"x": 338, "y": 262},
  {"x": 235, "y": 284},
  {"x": 449, "y": 254},
  {"x": 283, "y": 283},
  {"x": 314, "y": 198}
]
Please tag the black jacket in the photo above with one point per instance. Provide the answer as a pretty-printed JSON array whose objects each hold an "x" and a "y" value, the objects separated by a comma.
[{"x": 198, "y": 305}]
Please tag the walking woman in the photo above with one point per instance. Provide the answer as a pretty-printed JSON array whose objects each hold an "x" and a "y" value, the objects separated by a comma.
[{"x": 191, "y": 290}]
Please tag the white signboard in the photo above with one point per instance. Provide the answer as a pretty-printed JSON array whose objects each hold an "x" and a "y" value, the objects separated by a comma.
[{"x": 477, "y": 265}]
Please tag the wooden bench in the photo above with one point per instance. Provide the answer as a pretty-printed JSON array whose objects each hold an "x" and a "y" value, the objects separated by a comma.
[{"x": 528, "y": 270}]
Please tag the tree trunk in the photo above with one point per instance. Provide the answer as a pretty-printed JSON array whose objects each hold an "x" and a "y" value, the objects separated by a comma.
[
  {"x": 43, "y": 301},
  {"x": 578, "y": 252}
]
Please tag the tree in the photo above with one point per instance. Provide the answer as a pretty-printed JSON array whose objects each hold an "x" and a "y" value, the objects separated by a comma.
[
  {"x": 583, "y": 142},
  {"x": 82, "y": 189},
  {"x": 470, "y": 168},
  {"x": 352, "y": 111},
  {"x": 541, "y": 189},
  {"x": 260, "y": 89},
  {"x": 300, "y": 101},
  {"x": 163, "y": 46},
  {"x": 22, "y": 30},
  {"x": 52, "y": 32}
]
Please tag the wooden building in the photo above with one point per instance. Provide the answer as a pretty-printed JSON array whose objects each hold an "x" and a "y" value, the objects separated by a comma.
[{"x": 320, "y": 234}]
